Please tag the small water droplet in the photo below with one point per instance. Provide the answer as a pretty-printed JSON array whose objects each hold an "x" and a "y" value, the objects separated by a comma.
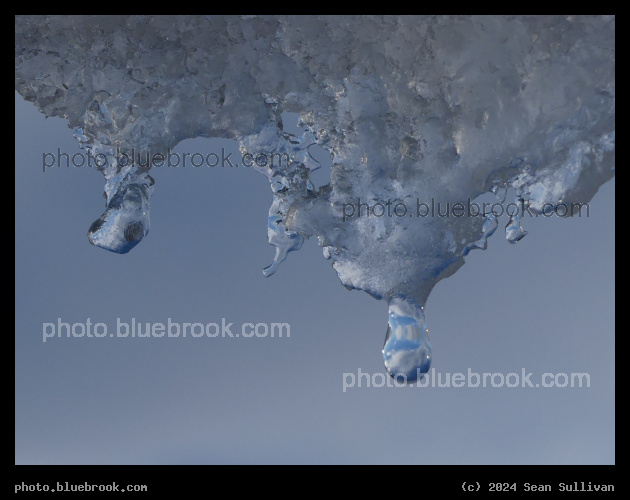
[
  {"x": 513, "y": 230},
  {"x": 407, "y": 352}
]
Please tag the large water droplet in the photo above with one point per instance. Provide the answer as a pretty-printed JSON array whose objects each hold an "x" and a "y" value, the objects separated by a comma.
[
  {"x": 126, "y": 220},
  {"x": 407, "y": 352}
]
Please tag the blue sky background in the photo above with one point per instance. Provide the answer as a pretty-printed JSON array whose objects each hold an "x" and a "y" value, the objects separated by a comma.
[{"x": 545, "y": 304}]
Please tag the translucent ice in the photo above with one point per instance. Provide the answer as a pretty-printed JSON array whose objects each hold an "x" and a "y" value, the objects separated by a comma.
[{"x": 415, "y": 111}]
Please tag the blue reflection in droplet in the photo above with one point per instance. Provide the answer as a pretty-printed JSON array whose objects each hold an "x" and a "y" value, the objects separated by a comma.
[{"x": 407, "y": 352}]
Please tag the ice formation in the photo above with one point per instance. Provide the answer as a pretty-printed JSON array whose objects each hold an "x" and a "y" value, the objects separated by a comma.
[{"x": 412, "y": 110}]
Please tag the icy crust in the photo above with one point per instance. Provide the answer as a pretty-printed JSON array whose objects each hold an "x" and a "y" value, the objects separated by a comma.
[{"x": 410, "y": 108}]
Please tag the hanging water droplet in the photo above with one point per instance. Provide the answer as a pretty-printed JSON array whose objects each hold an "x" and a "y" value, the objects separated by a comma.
[
  {"x": 490, "y": 226},
  {"x": 126, "y": 220},
  {"x": 513, "y": 230},
  {"x": 407, "y": 352},
  {"x": 283, "y": 239},
  {"x": 488, "y": 229}
]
